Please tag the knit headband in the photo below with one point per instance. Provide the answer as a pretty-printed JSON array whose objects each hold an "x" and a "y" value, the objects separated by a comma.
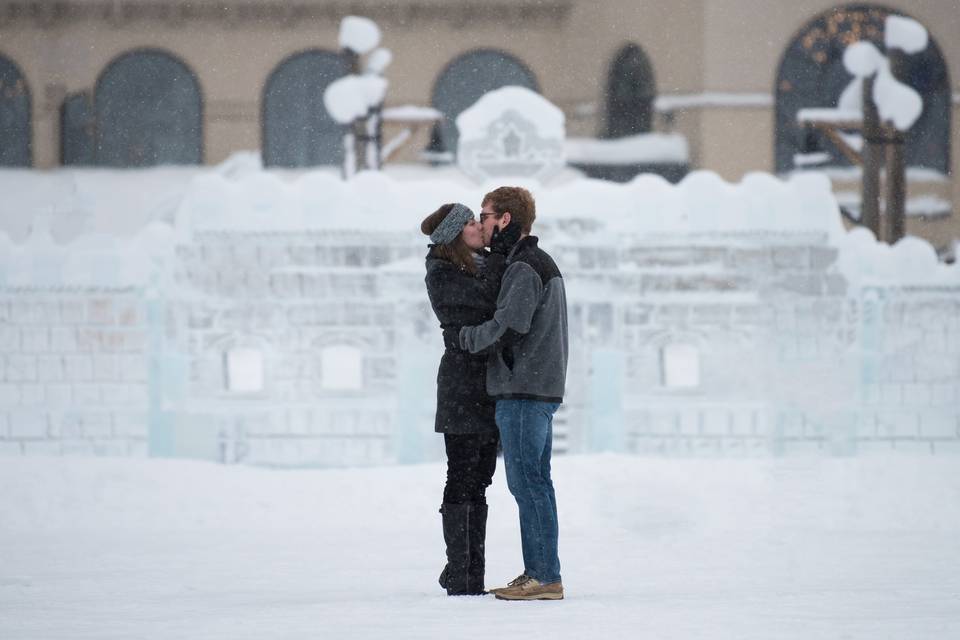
[{"x": 451, "y": 226}]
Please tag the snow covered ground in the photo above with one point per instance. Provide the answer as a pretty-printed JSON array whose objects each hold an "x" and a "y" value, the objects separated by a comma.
[{"x": 807, "y": 548}]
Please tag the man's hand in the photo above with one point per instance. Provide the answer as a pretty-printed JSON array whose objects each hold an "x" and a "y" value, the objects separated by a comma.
[{"x": 502, "y": 240}]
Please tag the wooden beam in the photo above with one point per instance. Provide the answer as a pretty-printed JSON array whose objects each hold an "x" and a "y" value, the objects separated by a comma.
[{"x": 832, "y": 131}]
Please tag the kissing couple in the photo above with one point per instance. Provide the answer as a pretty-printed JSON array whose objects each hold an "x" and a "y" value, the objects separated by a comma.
[{"x": 502, "y": 309}]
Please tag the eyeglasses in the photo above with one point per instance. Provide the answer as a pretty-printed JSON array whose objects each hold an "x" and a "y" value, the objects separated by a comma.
[{"x": 484, "y": 215}]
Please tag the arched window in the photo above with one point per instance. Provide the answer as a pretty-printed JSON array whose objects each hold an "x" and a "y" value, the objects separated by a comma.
[
  {"x": 465, "y": 80},
  {"x": 77, "y": 130},
  {"x": 15, "y": 134},
  {"x": 297, "y": 130},
  {"x": 812, "y": 74},
  {"x": 148, "y": 111},
  {"x": 631, "y": 89}
]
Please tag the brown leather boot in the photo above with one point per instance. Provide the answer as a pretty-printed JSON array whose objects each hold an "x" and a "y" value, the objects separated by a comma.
[{"x": 518, "y": 580}]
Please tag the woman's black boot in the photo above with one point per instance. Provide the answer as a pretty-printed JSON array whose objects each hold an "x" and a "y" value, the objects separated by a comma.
[
  {"x": 464, "y": 556},
  {"x": 478, "y": 536}
]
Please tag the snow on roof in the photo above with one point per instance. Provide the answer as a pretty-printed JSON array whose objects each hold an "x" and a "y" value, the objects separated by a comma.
[
  {"x": 811, "y": 159},
  {"x": 928, "y": 205},
  {"x": 829, "y": 115},
  {"x": 642, "y": 148},
  {"x": 359, "y": 34},
  {"x": 904, "y": 33},
  {"x": 915, "y": 175},
  {"x": 678, "y": 101},
  {"x": 548, "y": 118},
  {"x": 409, "y": 112}
]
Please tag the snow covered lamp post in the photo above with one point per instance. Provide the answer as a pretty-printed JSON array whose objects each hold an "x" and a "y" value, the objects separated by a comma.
[
  {"x": 377, "y": 63},
  {"x": 883, "y": 108},
  {"x": 355, "y": 100}
]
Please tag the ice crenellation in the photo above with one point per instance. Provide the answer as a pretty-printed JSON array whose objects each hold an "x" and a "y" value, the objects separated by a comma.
[
  {"x": 648, "y": 209},
  {"x": 92, "y": 260}
]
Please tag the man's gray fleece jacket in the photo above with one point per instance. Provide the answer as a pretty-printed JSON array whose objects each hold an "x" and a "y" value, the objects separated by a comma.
[{"x": 527, "y": 338}]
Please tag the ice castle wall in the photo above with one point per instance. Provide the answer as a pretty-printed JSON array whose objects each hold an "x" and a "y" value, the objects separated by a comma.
[{"x": 289, "y": 342}]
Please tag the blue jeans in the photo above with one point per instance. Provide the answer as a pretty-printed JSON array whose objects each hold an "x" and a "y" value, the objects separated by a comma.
[{"x": 526, "y": 434}]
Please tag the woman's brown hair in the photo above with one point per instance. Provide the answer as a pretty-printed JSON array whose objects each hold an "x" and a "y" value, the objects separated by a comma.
[{"x": 457, "y": 251}]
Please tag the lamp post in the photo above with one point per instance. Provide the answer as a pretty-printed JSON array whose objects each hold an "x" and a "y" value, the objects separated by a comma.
[
  {"x": 871, "y": 160},
  {"x": 896, "y": 161},
  {"x": 353, "y": 147}
]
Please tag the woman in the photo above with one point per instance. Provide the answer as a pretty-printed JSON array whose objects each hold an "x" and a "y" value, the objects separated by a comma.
[{"x": 462, "y": 283}]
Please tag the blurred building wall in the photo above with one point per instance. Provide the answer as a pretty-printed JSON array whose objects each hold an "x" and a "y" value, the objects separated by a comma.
[{"x": 721, "y": 54}]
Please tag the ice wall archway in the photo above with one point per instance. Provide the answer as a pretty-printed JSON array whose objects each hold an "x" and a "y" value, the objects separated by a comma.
[
  {"x": 15, "y": 125},
  {"x": 297, "y": 130},
  {"x": 811, "y": 74},
  {"x": 631, "y": 89},
  {"x": 149, "y": 111},
  {"x": 465, "y": 80}
]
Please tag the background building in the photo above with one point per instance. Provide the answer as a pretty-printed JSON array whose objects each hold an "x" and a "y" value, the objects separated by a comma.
[{"x": 135, "y": 82}]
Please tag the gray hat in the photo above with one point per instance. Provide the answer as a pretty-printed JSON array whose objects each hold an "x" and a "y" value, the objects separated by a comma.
[{"x": 451, "y": 226}]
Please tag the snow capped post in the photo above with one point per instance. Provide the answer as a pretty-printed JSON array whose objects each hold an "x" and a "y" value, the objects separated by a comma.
[
  {"x": 377, "y": 63},
  {"x": 862, "y": 59},
  {"x": 351, "y": 101},
  {"x": 902, "y": 105},
  {"x": 883, "y": 108},
  {"x": 355, "y": 100}
]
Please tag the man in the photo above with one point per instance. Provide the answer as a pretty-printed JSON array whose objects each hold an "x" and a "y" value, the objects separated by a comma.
[{"x": 526, "y": 372}]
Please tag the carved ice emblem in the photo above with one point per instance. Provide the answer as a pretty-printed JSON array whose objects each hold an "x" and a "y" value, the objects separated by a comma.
[{"x": 511, "y": 132}]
